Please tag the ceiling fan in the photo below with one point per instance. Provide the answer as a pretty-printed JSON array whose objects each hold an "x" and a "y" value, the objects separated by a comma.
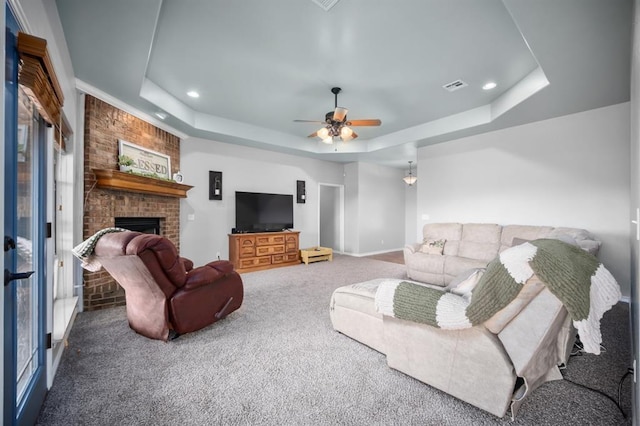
[{"x": 337, "y": 125}]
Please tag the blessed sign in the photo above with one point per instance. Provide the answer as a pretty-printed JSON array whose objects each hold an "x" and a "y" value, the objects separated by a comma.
[{"x": 146, "y": 161}]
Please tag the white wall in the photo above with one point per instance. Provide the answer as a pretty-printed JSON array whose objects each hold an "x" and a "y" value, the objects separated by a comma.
[
  {"x": 379, "y": 193},
  {"x": 243, "y": 169},
  {"x": 568, "y": 171},
  {"x": 330, "y": 217},
  {"x": 352, "y": 213},
  {"x": 411, "y": 213}
]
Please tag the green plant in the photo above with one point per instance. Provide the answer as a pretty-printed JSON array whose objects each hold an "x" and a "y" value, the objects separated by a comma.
[{"x": 125, "y": 160}]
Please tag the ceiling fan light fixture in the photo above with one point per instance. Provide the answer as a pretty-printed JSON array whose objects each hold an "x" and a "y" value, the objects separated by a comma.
[
  {"x": 336, "y": 127},
  {"x": 346, "y": 134},
  {"x": 323, "y": 133},
  {"x": 339, "y": 114}
]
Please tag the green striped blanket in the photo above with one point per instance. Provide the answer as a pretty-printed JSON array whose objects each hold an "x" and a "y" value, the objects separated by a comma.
[{"x": 585, "y": 287}]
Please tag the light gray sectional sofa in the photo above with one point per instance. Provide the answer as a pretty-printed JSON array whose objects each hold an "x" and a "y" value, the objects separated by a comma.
[
  {"x": 492, "y": 366},
  {"x": 474, "y": 245}
]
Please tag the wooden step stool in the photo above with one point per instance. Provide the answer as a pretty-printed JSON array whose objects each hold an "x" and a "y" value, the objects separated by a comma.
[{"x": 316, "y": 254}]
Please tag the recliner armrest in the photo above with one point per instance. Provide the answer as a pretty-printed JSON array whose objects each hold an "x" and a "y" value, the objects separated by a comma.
[
  {"x": 223, "y": 266},
  {"x": 188, "y": 263},
  {"x": 202, "y": 275}
]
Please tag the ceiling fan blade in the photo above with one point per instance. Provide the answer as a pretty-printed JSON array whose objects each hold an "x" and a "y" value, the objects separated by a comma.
[
  {"x": 339, "y": 114},
  {"x": 313, "y": 135},
  {"x": 365, "y": 122},
  {"x": 309, "y": 121},
  {"x": 354, "y": 135}
]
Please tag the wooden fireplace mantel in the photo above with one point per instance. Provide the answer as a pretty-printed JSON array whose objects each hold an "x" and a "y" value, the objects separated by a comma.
[{"x": 114, "y": 179}]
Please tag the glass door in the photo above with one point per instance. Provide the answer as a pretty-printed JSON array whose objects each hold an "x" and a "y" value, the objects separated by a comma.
[{"x": 24, "y": 289}]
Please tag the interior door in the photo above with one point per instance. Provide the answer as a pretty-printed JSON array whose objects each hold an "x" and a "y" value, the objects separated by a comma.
[{"x": 24, "y": 289}]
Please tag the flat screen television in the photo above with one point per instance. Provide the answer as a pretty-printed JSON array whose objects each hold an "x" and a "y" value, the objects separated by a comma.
[{"x": 260, "y": 212}]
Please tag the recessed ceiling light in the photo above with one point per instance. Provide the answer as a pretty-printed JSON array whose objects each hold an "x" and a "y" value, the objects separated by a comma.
[
  {"x": 490, "y": 85},
  {"x": 161, "y": 115},
  {"x": 193, "y": 94}
]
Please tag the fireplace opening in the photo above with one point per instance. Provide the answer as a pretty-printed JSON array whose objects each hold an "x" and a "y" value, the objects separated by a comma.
[{"x": 146, "y": 225}]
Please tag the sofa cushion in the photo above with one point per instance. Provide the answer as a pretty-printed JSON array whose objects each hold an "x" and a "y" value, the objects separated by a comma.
[
  {"x": 517, "y": 241},
  {"x": 433, "y": 263},
  {"x": 359, "y": 297},
  {"x": 464, "y": 283},
  {"x": 480, "y": 241},
  {"x": 433, "y": 246},
  {"x": 523, "y": 232},
  {"x": 583, "y": 238},
  {"x": 451, "y": 232},
  {"x": 454, "y": 266}
]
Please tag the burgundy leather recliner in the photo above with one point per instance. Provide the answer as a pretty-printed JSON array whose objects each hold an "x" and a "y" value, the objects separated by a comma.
[{"x": 163, "y": 291}]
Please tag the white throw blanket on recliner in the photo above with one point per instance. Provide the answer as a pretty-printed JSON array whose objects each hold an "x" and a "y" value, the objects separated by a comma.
[{"x": 84, "y": 250}]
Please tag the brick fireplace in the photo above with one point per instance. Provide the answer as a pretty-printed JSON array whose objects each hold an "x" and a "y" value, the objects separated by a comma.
[{"x": 104, "y": 126}]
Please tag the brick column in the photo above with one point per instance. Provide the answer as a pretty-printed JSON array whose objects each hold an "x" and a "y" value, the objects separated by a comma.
[{"x": 104, "y": 126}]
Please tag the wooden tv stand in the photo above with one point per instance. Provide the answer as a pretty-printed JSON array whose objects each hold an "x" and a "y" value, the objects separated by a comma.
[{"x": 264, "y": 250}]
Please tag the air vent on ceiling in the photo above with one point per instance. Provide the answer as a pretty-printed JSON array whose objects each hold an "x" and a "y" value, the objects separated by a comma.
[
  {"x": 325, "y": 4},
  {"x": 455, "y": 85}
]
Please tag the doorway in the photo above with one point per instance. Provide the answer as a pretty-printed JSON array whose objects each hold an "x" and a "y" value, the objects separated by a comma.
[{"x": 331, "y": 216}]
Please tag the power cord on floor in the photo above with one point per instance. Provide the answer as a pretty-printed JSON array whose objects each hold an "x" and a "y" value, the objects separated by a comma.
[
  {"x": 578, "y": 349},
  {"x": 603, "y": 394},
  {"x": 624, "y": 376}
]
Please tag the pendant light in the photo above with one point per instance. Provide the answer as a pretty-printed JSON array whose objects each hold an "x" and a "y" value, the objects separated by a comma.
[{"x": 410, "y": 179}]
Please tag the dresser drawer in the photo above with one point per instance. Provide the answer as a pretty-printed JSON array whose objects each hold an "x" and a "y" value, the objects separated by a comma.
[
  {"x": 247, "y": 241},
  {"x": 247, "y": 251},
  {"x": 292, "y": 248},
  {"x": 255, "y": 261},
  {"x": 266, "y": 250},
  {"x": 269, "y": 240},
  {"x": 283, "y": 258}
]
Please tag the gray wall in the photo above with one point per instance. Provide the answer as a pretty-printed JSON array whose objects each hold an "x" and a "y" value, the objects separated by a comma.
[
  {"x": 568, "y": 171},
  {"x": 374, "y": 197},
  {"x": 330, "y": 217},
  {"x": 377, "y": 194},
  {"x": 352, "y": 213},
  {"x": 243, "y": 169},
  {"x": 411, "y": 212}
]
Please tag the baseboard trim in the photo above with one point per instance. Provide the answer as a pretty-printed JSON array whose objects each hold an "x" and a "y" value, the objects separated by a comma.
[{"x": 372, "y": 253}]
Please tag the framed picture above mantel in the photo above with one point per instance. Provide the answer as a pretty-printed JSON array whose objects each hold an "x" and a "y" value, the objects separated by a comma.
[{"x": 146, "y": 161}]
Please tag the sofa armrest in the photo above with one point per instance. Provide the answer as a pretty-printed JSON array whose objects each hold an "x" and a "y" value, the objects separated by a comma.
[{"x": 412, "y": 248}]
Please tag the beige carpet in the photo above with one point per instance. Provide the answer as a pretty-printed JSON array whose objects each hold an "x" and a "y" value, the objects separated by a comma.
[{"x": 277, "y": 361}]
